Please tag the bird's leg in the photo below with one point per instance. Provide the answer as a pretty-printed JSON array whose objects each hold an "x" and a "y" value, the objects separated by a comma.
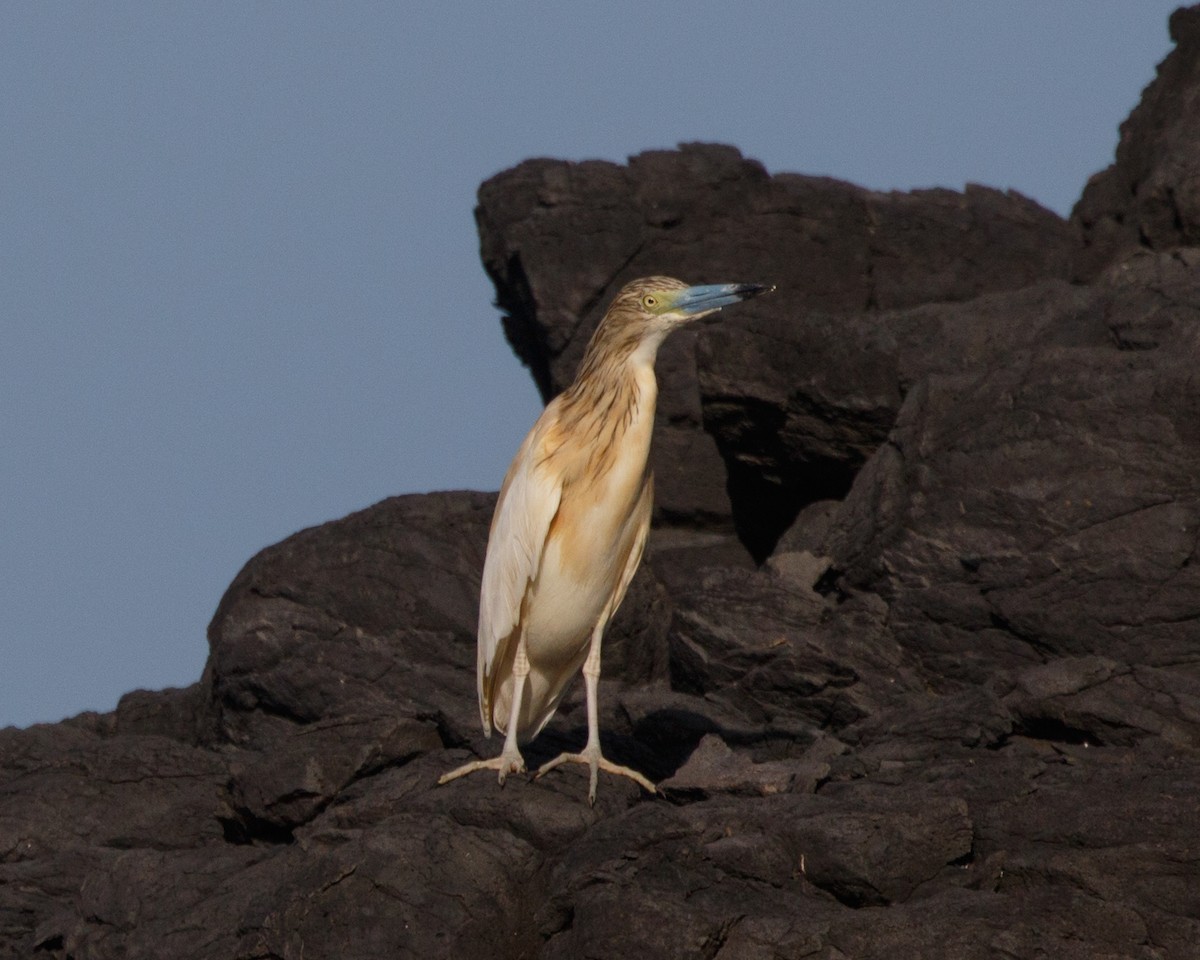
[
  {"x": 591, "y": 754},
  {"x": 510, "y": 759},
  {"x": 510, "y": 756}
]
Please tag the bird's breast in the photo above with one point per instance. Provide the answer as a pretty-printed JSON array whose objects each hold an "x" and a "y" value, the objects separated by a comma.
[
  {"x": 579, "y": 576},
  {"x": 602, "y": 493},
  {"x": 600, "y": 516}
]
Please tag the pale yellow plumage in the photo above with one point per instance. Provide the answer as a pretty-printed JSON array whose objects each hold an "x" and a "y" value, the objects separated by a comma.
[{"x": 571, "y": 523}]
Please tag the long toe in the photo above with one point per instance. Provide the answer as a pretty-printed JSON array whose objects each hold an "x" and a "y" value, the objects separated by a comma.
[
  {"x": 595, "y": 762},
  {"x": 558, "y": 761},
  {"x": 609, "y": 767},
  {"x": 593, "y": 777},
  {"x": 505, "y": 764}
]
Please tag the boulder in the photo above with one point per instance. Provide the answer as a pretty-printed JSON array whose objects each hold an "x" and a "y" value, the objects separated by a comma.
[
  {"x": 1149, "y": 198},
  {"x": 560, "y": 239}
]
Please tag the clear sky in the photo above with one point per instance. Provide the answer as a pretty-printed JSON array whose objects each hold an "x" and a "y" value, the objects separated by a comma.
[{"x": 240, "y": 291}]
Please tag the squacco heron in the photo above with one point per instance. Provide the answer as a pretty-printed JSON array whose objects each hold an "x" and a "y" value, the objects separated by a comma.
[{"x": 570, "y": 525}]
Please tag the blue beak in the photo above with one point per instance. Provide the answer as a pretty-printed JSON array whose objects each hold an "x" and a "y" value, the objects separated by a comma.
[{"x": 718, "y": 295}]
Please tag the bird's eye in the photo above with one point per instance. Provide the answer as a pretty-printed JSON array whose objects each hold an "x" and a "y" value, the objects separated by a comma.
[{"x": 648, "y": 301}]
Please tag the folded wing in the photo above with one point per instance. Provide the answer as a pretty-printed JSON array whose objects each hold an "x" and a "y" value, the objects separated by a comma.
[{"x": 528, "y": 501}]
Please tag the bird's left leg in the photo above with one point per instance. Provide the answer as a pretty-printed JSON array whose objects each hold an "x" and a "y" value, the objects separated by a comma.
[
  {"x": 591, "y": 754},
  {"x": 510, "y": 759}
]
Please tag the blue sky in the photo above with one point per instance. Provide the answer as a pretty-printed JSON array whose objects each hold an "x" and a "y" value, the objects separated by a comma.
[{"x": 241, "y": 291}]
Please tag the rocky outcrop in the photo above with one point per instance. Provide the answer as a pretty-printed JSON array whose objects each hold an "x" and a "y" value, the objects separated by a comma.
[
  {"x": 559, "y": 239},
  {"x": 914, "y": 653},
  {"x": 1150, "y": 197}
]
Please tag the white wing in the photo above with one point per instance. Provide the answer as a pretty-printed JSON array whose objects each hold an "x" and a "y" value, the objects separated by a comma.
[{"x": 525, "y": 509}]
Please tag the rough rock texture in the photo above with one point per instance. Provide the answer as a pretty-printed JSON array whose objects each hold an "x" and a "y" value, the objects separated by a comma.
[
  {"x": 1150, "y": 197},
  {"x": 559, "y": 239},
  {"x": 915, "y": 653}
]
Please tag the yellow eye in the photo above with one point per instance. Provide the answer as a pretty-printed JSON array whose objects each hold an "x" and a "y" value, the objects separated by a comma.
[{"x": 649, "y": 302}]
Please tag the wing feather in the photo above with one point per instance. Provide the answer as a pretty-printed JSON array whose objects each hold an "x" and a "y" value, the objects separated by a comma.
[
  {"x": 641, "y": 520},
  {"x": 528, "y": 501}
]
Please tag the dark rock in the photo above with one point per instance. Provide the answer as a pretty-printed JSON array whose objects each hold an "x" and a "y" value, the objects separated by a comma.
[
  {"x": 370, "y": 617},
  {"x": 559, "y": 239},
  {"x": 714, "y": 767},
  {"x": 799, "y": 402},
  {"x": 174, "y": 713},
  {"x": 1150, "y": 197},
  {"x": 953, "y": 710},
  {"x": 1044, "y": 504}
]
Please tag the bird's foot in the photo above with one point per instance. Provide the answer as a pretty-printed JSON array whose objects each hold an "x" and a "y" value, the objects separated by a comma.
[
  {"x": 596, "y": 761},
  {"x": 506, "y": 763}
]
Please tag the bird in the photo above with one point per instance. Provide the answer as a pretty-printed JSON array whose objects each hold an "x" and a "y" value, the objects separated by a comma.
[{"x": 570, "y": 525}]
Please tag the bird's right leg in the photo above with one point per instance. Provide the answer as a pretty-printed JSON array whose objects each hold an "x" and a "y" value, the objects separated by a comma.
[
  {"x": 591, "y": 755},
  {"x": 510, "y": 759}
]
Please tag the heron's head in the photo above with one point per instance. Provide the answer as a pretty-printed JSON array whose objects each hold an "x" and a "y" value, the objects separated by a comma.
[
  {"x": 659, "y": 304},
  {"x": 644, "y": 312}
]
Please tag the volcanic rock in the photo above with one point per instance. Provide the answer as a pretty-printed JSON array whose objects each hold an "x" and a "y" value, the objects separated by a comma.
[
  {"x": 559, "y": 239},
  {"x": 1150, "y": 197},
  {"x": 914, "y": 654}
]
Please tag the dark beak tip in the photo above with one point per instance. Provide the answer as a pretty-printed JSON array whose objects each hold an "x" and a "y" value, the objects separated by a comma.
[{"x": 748, "y": 290}]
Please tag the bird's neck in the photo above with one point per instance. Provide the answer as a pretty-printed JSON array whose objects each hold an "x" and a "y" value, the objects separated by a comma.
[
  {"x": 619, "y": 353},
  {"x": 615, "y": 384}
]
